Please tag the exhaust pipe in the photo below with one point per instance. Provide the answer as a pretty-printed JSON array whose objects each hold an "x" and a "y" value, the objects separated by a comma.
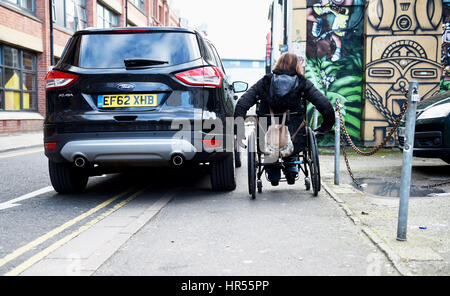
[
  {"x": 177, "y": 160},
  {"x": 80, "y": 162}
]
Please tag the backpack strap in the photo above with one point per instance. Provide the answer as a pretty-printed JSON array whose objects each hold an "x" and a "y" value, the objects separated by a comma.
[
  {"x": 272, "y": 117},
  {"x": 298, "y": 129}
]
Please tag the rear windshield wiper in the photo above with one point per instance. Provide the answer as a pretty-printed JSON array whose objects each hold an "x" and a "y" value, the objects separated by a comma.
[{"x": 138, "y": 63}]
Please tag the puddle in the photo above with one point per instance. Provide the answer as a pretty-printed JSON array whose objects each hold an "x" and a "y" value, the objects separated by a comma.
[{"x": 389, "y": 188}]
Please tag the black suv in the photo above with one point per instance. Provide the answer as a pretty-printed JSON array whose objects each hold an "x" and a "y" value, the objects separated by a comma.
[{"x": 127, "y": 97}]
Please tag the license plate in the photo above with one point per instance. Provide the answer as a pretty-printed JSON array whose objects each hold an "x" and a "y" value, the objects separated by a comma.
[
  {"x": 124, "y": 100},
  {"x": 401, "y": 131}
]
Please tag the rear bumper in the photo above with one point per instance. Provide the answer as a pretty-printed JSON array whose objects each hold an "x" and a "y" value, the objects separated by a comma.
[
  {"x": 131, "y": 148},
  {"x": 432, "y": 152},
  {"x": 423, "y": 139},
  {"x": 128, "y": 149}
]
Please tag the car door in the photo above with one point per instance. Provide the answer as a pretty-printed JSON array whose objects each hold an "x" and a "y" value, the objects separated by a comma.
[
  {"x": 224, "y": 95},
  {"x": 229, "y": 94}
]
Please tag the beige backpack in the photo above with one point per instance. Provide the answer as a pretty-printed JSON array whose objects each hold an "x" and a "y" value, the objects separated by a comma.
[{"x": 278, "y": 141}]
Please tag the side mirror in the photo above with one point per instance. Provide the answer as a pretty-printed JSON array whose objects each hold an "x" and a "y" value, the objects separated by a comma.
[{"x": 240, "y": 86}]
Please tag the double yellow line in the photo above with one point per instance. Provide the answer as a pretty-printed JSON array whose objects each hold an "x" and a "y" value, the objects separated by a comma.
[{"x": 39, "y": 256}]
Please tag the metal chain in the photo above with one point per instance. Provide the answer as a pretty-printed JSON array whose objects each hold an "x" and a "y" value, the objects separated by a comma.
[
  {"x": 437, "y": 184},
  {"x": 350, "y": 142},
  {"x": 386, "y": 139},
  {"x": 347, "y": 162}
]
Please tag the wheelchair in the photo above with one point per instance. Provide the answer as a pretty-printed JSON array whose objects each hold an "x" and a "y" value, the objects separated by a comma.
[{"x": 307, "y": 160}]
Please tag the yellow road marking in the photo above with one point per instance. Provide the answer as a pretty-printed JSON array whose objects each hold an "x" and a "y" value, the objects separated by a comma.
[
  {"x": 28, "y": 151},
  {"x": 59, "y": 229},
  {"x": 41, "y": 255}
]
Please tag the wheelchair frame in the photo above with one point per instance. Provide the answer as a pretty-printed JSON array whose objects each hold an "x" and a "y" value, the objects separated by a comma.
[{"x": 307, "y": 160}]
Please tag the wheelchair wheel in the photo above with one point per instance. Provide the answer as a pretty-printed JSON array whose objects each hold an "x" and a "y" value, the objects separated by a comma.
[
  {"x": 251, "y": 159},
  {"x": 313, "y": 162}
]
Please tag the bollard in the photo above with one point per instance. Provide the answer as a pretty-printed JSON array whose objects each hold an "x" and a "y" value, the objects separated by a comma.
[
  {"x": 405, "y": 185},
  {"x": 337, "y": 144}
]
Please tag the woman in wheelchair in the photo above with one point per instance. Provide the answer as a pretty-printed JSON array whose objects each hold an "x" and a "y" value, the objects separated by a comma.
[{"x": 286, "y": 89}]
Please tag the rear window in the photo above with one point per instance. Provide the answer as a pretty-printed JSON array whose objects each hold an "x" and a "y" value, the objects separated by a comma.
[{"x": 101, "y": 51}]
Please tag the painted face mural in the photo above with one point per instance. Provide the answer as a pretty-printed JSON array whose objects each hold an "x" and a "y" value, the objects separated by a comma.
[
  {"x": 402, "y": 45},
  {"x": 388, "y": 77},
  {"x": 365, "y": 53}
]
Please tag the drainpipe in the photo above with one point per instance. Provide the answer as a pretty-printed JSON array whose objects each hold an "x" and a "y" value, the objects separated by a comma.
[
  {"x": 126, "y": 13},
  {"x": 285, "y": 4},
  {"x": 52, "y": 56}
]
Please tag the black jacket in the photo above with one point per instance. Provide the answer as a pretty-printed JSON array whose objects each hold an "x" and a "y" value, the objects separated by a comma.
[{"x": 293, "y": 90}]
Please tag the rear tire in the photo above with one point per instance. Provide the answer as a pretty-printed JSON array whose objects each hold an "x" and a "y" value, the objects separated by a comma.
[
  {"x": 223, "y": 174},
  {"x": 67, "y": 179},
  {"x": 313, "y": 162},
  {"x": 251, "y": 166}
]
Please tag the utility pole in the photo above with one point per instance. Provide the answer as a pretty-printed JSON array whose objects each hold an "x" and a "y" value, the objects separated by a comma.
[
  {"x": 285, "y": 37},
  {"x": 270, "y": 45},
  {"x": 52, "y": 56}
]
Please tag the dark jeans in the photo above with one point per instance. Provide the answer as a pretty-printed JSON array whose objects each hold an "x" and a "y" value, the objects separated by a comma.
[{"x": 274, "y": 174}]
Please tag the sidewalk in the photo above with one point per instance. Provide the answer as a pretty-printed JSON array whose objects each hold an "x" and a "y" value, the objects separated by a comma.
[
  {"x": 14, "y": 141},
  {"x": 375, "y": 209}
]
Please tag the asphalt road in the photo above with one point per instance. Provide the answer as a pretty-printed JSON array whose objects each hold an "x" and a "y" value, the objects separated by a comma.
[{"x": 169, "y": 222}]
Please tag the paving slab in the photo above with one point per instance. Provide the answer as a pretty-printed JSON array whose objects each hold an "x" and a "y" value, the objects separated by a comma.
[{"x": 427, "y": 249}]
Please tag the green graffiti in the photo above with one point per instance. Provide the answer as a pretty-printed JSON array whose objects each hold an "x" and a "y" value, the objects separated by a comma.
[
  {"x": 444, "y": 85},
  {"x": 341, "y": 80}
]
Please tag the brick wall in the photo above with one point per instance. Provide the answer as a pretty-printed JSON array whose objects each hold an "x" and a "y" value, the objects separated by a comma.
[
  {"x": 20, "y": 22},
  {"x": 10, "y": 126},
  {"x": 38, "y": 26}
]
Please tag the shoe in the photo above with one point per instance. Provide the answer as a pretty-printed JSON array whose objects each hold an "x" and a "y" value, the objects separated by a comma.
[
  {"x": 290, "y": 178},
  {"x": 316, "y": 28},
  {"x": 274, "y": 183}
]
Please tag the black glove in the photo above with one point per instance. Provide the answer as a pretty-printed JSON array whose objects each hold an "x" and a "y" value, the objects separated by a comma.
[
  {"x": 239, "y": 131},
  {"x": 240, "y": 140},
  {"x": 320, "y": 133}
]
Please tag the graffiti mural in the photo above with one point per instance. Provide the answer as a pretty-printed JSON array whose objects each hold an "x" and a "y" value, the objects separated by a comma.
[
  {"x": 334, "y": 57},
  {"x": 445, "y": 54},
  {"x": 402, "y": 44}
]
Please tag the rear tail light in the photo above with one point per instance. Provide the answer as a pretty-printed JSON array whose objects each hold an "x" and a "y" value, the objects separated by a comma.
[
  {"x": 212, "y": 143},
  {"x": 57, "y": 79},
  {"x": 50, "y": 146},
  {"x": 205, "y": 76}
]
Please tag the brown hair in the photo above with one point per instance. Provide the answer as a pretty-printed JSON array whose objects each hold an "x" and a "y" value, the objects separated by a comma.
[{"x": 289, "y": 62}]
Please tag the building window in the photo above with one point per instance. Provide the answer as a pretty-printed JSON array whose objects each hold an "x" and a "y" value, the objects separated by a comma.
[
  {"x": 106, "y": 18},
  {"x": 24, "y": 4},
  {"x": 17, "y": 79},
  {"x": 70, "y": 14},
  {"x": 138, "y": 3}
]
